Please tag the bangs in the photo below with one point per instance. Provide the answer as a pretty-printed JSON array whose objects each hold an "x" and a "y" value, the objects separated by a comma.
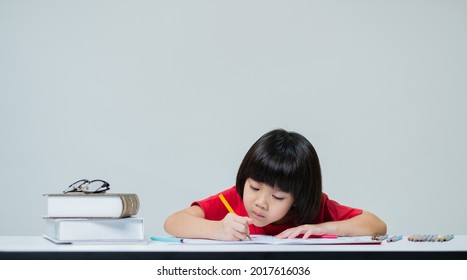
[{"x": 278, "y": 172}]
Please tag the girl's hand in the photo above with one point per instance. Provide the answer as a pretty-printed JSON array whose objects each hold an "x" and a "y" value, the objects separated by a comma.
[
  {"x": 233, "y": 227},
  {"x": 308, "y": 230}
]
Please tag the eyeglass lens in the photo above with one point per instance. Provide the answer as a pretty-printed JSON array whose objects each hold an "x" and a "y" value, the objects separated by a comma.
[
  {"x": 96, "y": 186},
  {"x": 76, "y": 186}
]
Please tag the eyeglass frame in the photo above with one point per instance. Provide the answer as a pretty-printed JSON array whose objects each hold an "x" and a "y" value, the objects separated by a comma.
[{"x": 82, "y": 188}]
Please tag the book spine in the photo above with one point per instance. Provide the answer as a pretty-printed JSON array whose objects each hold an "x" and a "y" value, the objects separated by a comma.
[{"x": 130, "y": 205}]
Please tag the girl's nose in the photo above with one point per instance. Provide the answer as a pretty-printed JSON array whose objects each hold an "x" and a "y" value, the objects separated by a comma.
[{"x": 261, "y": 202}]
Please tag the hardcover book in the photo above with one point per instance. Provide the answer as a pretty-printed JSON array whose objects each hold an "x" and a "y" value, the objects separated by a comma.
[
  {"x": 100, "y": 205},
  {"x": 94, "y": 230}
]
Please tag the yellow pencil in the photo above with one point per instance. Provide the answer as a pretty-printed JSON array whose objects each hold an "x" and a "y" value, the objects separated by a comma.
[{"x": 229, "y": 208}]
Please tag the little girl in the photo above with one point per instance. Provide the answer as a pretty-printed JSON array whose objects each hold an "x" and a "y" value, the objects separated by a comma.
[{"x": 278, "y": 192}]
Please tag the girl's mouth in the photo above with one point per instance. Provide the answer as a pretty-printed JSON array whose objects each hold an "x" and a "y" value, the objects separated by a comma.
[{"x": 257, "y": 215}]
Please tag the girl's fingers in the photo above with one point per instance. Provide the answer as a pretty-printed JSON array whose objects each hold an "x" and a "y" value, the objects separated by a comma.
[
  {"x": 287, "y": 233},
  {"x": 296, "y": 232},
  {"x": 307, "y": 231},
  {"x": 307, "y": 234},
  {"x": 237, "y": 226}
]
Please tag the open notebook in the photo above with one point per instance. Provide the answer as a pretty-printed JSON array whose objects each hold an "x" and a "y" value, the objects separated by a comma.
[{"x": 267, "y": 239}]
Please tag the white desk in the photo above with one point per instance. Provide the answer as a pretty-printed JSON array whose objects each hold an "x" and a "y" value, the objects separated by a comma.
[{"x": 36, "y": 247}]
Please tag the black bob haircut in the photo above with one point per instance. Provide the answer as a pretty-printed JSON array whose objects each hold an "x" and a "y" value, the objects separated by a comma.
[{"x": 286, "y": 161}]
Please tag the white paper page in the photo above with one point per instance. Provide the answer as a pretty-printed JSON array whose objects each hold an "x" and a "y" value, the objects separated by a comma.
[{"x": 267, "y": 239}]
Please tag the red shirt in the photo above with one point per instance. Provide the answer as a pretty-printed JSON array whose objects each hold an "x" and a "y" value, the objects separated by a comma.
[{"x": 215, "y": 210}]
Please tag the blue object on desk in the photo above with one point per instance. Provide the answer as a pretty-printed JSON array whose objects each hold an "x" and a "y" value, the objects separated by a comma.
[
  {"x": 394, "y": 238},
  {"x": 167, "y": 239}
]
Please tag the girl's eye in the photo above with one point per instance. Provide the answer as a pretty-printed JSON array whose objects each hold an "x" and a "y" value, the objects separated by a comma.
[
  {"x": 278, "y": 197},
  {"x": 253, "y": 188}
]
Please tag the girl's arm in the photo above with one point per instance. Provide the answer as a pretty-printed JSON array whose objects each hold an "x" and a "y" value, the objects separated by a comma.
[
  {"x": 190, "y": 223},
  {"x": 364, "y": 224}
]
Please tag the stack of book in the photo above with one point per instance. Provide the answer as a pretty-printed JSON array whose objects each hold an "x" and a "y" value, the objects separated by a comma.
[{"x": 93, "y": 218}]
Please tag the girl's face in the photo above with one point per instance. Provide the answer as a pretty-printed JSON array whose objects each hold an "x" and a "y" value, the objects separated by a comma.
[{"x": 266, "y": 205}]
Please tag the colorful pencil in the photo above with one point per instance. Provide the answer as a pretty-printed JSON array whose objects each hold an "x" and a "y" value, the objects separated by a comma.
[{"x": 394, "y": 238}]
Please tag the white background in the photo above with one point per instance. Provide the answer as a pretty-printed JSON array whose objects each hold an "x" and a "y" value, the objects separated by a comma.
[{"x": 164, "y": 98}]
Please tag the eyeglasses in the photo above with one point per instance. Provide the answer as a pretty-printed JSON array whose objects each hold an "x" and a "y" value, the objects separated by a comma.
[{"x": 86, "y": 186}]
